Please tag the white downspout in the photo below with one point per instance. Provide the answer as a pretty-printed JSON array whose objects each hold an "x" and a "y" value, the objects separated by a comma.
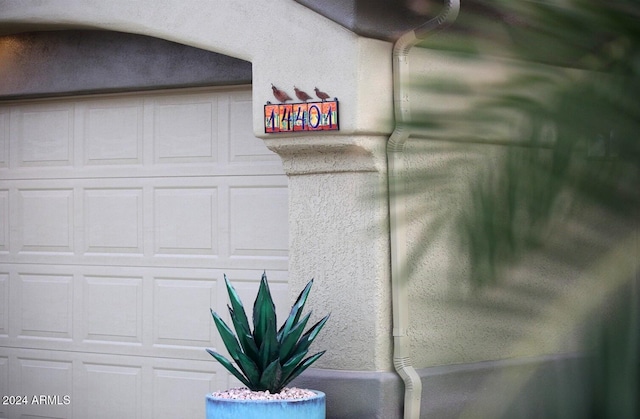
[{"x": 397, "y": 216}]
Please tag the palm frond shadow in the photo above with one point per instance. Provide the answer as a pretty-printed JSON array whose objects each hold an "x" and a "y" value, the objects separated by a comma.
[{"x": 533, "y": 178}]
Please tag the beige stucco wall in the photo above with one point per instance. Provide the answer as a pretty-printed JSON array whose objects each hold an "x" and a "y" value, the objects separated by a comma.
[
  {"x": 287, "y": 44},
  {"x": 450, "y": 323},
  {"x": 535, "y": 309},
  {"x": 338, "y": 233}
]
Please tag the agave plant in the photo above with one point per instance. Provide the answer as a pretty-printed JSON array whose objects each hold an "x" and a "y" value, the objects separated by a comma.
[{"x": 266, "y": 358}]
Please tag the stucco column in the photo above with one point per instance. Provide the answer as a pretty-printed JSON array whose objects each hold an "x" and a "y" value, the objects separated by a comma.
[{"x": 338, "y": 234}]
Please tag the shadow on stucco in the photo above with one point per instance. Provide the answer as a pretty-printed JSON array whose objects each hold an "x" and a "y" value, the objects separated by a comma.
[
  {"x": 521, "y": 192},
  {"x": 64, "y": 62}
]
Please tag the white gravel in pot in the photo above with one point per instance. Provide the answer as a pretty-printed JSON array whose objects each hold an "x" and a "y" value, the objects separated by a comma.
[{"x": 243, "y": 393}]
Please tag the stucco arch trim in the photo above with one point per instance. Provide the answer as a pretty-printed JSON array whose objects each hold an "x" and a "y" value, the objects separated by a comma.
[{"x": 287, "y": 44}]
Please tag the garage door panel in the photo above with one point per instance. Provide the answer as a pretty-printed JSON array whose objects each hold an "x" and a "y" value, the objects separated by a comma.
[
  {"x": 113, "y": 309},
  {"x": 181, "y": 316},
  {"x": 156, "y": 312},
  {"x": 184, "y": 129},
  {"x": 4, "y": 138},
  {"x": 45, "y": 307},
  {"x": 4, "y": 220},
  {"x": 45, "y": 220},
  {"x": 178, "y": 393},
  {"x": 98, "y": 385},
  {"x": 245, "y": 146},
  {"x": 4, "y": 303},
  {"x": 258, "y": 221},
  {"x": 4, "y": 384},
  {"x": 113, "y": 220},
  {"x": 167, "y": 171},
  {"x": 112, "y": 391},
  {"x": 198, "y": 221},
  {"x": 38, "y": 376},
  {"x": 43, "y": 135},
  {"x": 186, "y": 221},
  {"x": 113, "y": 131}
]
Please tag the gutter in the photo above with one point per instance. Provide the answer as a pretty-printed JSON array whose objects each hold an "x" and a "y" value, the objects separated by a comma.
[{"x": 397, "y": 212}]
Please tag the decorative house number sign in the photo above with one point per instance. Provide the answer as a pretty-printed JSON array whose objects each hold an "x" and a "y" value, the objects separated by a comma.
[{"x": 312, "y": 116}]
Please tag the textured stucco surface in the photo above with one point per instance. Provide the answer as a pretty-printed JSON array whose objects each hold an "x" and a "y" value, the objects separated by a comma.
[
  {"x": 338, "y": 234},
  {"x": 449, "y": 323},
  {"x": 341, "y": 233},
  {"x": 287, "y": 44},
  {"x": 520, "y": 316}
]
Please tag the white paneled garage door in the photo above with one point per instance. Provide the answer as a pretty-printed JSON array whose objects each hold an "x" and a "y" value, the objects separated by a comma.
[{"x": 118, "y": 217}]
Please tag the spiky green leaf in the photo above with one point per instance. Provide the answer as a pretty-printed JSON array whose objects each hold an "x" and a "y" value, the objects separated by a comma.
[
  {"x": 240, "y": 322},
  {"x": 307, "y": 339},
  {"x": 249, "y": 368},
  {"x": 292, "y": 363},
  {"x": 301, "y": 367},
  {"x": 289, "y": 339},
  {"x": 228, "y": 337},
  {"x": 244, "y": 337},
  {"x": 269, "y": 350},
  {"x": 271, "y": 377},
  {"x": 296, "y": 311},
  {"x": 264, "y": 312},
  {"x": 227, "y": 364}
]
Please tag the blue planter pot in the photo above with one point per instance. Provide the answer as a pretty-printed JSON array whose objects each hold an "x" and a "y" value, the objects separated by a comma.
[{"x": 311, "y": 408}]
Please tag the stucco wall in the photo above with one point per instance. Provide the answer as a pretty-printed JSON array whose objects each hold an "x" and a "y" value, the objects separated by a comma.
[
  {"x": 523, "y": 315},
  {"x": 339, "y": 235},
  {"x": 450, "y": 322},
  {"x": 286, "y": 43}
]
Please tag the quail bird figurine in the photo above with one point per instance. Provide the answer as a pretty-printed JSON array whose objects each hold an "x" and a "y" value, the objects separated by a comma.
[
  {"x": 303, "y": 96},
  {"x": 281, "y": 95},
  {"x": 321, "y": 95}
]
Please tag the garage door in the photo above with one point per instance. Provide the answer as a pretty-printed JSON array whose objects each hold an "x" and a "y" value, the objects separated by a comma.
[{"x": 118, "y": 217}]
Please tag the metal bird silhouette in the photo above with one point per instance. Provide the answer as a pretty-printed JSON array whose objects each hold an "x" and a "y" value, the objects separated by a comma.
[
  {"x": 281, "y": 95},
  {"x": 321, "y": 95},
  {"x": 303, "y": 96}
]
